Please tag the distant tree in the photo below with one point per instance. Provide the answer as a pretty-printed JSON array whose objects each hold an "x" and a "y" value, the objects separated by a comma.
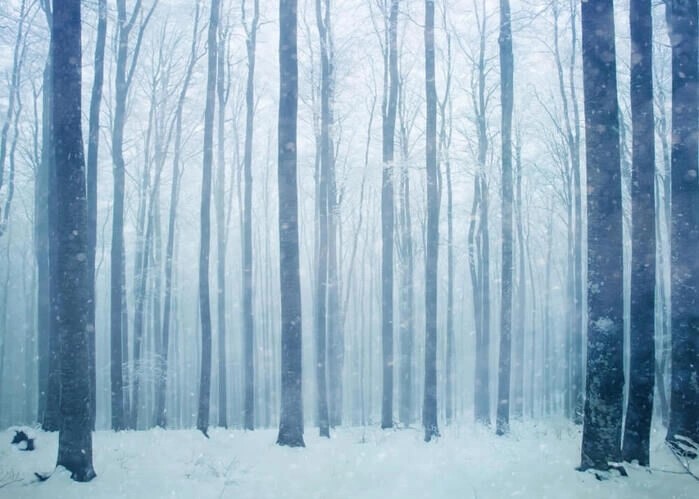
[
  {"x": 639, "y": 410},
  {"x": 445, "y": 134},
  {"x": 478, "y": 237},
  {"x": 123, "y": 77},
  {"x": 387, "y": 211},
  {"x": 73, "y": 292},
  {"x": 507, "y": 101},
  {"x": 684, "y": 396},
  {"x": 91, "y": 179},
  {"x": 205, "y": 223},
  {"x": 291, "y": 420},
  {"x": 160, "y": 416},
  {"x": 248, "y": 321},
  {"x": 406, "y": 330},
  {"x": 326, "y": 158},
  {"x": 429, "y": 407},
  {"x": 605, "y": 336}
]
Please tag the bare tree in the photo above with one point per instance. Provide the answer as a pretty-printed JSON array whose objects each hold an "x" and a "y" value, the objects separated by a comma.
[
  {"x": 205, "y": 223},
  {"x": 387, "y": 216},
  {"x": 248, "y": 322}
]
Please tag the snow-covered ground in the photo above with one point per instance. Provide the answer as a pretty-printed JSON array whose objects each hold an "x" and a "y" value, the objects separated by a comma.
[{"x": 535, "y": 461}]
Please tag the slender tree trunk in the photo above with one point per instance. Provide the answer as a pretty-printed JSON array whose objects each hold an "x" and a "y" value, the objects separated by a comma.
[
  {"x": 507, "y": 98},
  {"x": 605, "y": 377},
  {"x": 92, "y": 155},
  {"x": 684, "y": 396},
  {"x": 248, "y": 323},
  {"x": 387, "y": 222},
  {"x": 519, "y": 367},
  {"x": 168, "y": 308},
  {"x": 41, "y": 235},
  {"x": 407, "y": 325},
  {"x": 479, "y": 242},
  {"x": 291, "y": 421},
  {"x": 205, "y": 225},
  {"x": 73, "y": 292},
  {"x": 221, "y": 230},
  {"x": 429, "y": 408},
  {"x": 117, "y": 287},
  {"x": 321, "y": 320}
]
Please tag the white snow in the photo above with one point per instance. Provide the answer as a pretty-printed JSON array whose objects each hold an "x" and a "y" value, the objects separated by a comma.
[{"x": 535, "y": 461}]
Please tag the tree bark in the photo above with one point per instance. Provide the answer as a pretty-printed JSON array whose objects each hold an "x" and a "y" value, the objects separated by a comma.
[
  {"x": 639, "y": 410},
  {"x": 507, "y": 98},
  {"x": 684, "y": 396},
  {"x": 291, "y": 420},
  {"x": 248, "y": 322},
  {"x": 92, "y": 155},
  {"x": 73, "y": 292},
  {"x": 205, "y": 224},
  {"x": 605, "y": 376},
  {"x": 387, "y": 216},
  {"x": 429, "y": 408}
]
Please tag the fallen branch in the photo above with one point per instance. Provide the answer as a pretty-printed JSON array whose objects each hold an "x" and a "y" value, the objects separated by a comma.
[{"x": 677, "y": 452}]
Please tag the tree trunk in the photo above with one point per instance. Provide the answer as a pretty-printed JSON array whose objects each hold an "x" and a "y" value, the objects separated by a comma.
[
  {"x": 92, "y": 155},
  {"x": 221, "y": 232},
  {"x": 322, "y": 281},
  {"x": 248, "y": 323},
  {"x": 41, "y": 234},
  {"x": 291, "y": 421},
  {"x": 73, "y": 292},
  {"x": 389, "y": 126},
  {"x": 639, "y": 411},
  {"x": 429, "y": 408},
  {"x": 205, "y": 224},
  {"x": 684, "y": 396},
  {"x": 507, "y": 98},
  {"x": 407, "y": 325},
  {"x": 605, "y": 377}
]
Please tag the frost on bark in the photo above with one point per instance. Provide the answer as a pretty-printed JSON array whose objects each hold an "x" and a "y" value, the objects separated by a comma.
[{"x": 605, "y": 333}]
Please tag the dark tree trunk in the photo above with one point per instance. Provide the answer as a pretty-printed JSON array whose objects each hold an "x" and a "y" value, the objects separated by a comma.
[
  {"x": 605, "y": 376},
  {"x": 639, "y": 410},
  {"x": 387, "y": 222},
  {"x": 205, "y": 225},
  {"x": 248, "y": 322},
  {"x": 291, "y": 420},
  {"x": 73, "y": 292},
  {"x": 507, "y": 98},
  {"x": 429, "y": 408},
  {"x": 684, "y": 391},
  {"x": 92, "y": 155}
]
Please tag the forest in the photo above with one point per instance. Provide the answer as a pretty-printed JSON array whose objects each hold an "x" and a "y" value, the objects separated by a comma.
[{"x": 357, "y": 248}]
